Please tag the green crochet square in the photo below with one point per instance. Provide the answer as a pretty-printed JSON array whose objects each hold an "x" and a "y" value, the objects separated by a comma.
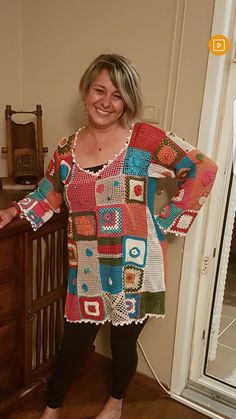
[{"x": 153, "y": 303}]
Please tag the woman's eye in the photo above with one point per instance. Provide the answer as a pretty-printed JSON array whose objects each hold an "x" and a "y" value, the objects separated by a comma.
[{"x": 117, "y": 97}]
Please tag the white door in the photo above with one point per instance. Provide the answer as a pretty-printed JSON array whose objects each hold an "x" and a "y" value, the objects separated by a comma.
[{"x": 204, "y": 368}]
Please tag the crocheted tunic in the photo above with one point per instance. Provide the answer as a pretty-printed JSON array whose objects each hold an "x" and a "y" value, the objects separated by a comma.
[{"x": 116, "y": 243}]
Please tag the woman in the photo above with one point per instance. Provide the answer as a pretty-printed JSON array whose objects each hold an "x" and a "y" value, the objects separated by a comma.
[{"x": 107, "y": 174}]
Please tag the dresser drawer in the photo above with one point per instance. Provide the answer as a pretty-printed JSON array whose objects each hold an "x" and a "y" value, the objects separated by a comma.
[
  {"x": 7, "y": 298},
  {"x": 9, "y": 254},
  {"x": 7, "y": 380},
  {"x": 8, "y": 341}
]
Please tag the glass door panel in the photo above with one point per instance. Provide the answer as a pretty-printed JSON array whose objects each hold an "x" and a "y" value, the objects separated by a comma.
[{"x": 220, "y": 362}]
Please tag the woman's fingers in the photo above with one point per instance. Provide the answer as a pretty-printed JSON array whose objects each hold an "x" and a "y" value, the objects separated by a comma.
[{"x": 6, "y": 217}]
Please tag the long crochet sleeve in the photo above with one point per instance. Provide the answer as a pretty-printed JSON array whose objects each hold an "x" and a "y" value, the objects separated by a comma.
[
  {"x": 38, "y": 206},
  {"x": 195, "y": 174}
]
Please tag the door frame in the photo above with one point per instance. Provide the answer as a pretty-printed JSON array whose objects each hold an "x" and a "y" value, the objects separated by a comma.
[{"x": 201, "y": 249}]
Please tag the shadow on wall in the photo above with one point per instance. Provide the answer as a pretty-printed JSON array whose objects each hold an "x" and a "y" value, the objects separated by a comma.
[{"x": 76, "y": 114}]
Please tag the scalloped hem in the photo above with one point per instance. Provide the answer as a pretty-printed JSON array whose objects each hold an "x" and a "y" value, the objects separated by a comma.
[
  {"x": 124, "y": 323},
  {"x": 168, "y": 230},
  {"x": 176, "y": 233},
  {"x": 24, "y": 216},
  {"x": 35, "y": 226}
]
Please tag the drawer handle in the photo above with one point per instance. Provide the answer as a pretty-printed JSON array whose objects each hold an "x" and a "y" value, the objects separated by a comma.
[{"x": 30, "y": 316}]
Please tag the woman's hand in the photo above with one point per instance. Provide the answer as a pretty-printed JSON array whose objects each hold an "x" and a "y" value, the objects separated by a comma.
[{"x": 7, "y": 215}]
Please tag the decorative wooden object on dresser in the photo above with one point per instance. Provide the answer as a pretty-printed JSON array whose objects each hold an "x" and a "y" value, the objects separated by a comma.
[{"x": 33, "y": 270}]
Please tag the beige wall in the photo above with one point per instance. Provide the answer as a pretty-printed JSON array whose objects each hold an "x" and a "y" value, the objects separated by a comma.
[
  {"x": 10, "y": 68},
  {"x": 52, "y": 41}
]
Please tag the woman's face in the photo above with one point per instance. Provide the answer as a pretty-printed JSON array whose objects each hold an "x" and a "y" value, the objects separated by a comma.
[{"x": 103, "y": 102}]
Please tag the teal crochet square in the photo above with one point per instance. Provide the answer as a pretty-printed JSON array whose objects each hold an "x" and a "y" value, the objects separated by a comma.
[
  {"x": 72, "y": 280},
  {"x": 133, "y": 305},
  {"x": 111, "y": 278},
  {"x": 136, "y": 162}
]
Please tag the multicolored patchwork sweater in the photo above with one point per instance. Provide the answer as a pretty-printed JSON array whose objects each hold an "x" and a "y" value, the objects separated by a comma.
[{"x": 116, "y": 243}]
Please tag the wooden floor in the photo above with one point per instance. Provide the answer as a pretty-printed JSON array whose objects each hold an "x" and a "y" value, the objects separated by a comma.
[{"x": 144, "y": 400}]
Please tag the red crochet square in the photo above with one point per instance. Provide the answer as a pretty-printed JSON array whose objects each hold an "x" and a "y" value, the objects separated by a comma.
[{"x": 92, "y": 308}]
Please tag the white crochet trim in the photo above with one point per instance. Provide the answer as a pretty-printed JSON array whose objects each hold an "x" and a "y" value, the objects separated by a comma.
[
  {"x": 177, "y": 234},
  {"x": 181, "y": 142},
  {"x": 34, "y": 226},
  {"x": 136, "y": 321},
  {"x": 109, "y": 161},
  {"x": 168, "y": 230},
  {"x": 24, "y": 216}
]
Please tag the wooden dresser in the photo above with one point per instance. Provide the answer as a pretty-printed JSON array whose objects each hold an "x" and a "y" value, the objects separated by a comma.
[{"x": 33, "y": 269}]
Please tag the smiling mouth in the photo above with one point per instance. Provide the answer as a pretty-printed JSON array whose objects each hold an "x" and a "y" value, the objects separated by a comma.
[{"x": 102, "y": 112}]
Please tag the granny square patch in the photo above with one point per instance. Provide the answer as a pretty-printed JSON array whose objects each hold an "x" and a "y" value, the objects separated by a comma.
[
  {"x": 132, "y": 278},
  {"x": 152, "y": 302},
  {"x": 208, "y": 177},
  {"x": 135, "y": 220},
  {"x": 133, "y": 305},
  {"x": 92, "y": 308},
  {"x": 65, "y": 170},
  {"x": 84, "y": 225},
  {"x": 135, "y": 190},
  {"x": 51, "y": 168},
  {"x": 110, "y": 221},
  {"x": 158, "y": 172},
  {"x": 71, "y": 308},
  {"x": 184, "y": 221},
  {"x": 110, "y": 190},
  {"x": 65, "y": 144},
  {"x": 181, "y": 142},
  {"x": 111, "y": 278},
  {"x": 110, "y": 246},
  {"x": 38, "y": 194},
  {"x": 54, "y": 198},
  {"x": 185, "y": 168},
  {"x": 110, "y": 250},
  {"x": 135, "y": 251},
  {"x": 45, "y": 187},
  {"x": 167, "y": 215},
  {"x": 72, "y": 280},
  {"x": 70, "y": 227},
  {"x": 35, "y": 219},
  {"x": 39, "y": 211},
  {"x": 81, "y": 197},
  {"x": 87, "y": 252},
  {"x": 116, "y": 307},
  {"x": 183, "y": 199},
  {"x": 72, "y": 254},
  {"x": 88, "y": 282},
  {"x": 27, "y": 202},
  {"x": 136, "y": 162},
  {"x": 111, "y": 260},
  {"x": 88, "y": 268},
  {"x": 146, "y": 137},
  {"x": 168, "y": 153}
]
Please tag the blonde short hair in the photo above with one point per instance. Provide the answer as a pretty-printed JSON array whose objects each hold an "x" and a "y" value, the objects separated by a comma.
[{"x": 124, "y": 77}]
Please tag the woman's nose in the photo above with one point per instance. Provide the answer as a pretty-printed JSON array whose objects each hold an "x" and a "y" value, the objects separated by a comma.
[{"x": 106, "y": 101}]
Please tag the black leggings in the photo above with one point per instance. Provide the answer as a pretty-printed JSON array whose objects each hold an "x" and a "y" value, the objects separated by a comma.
[{"x": 76, "y": 339}]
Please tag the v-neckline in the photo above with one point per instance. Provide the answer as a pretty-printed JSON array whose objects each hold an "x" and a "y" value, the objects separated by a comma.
[{"x": 109, "y": 162}]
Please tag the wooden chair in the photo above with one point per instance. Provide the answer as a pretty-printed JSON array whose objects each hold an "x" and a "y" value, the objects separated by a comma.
[{"x": 24, "y": 149}]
